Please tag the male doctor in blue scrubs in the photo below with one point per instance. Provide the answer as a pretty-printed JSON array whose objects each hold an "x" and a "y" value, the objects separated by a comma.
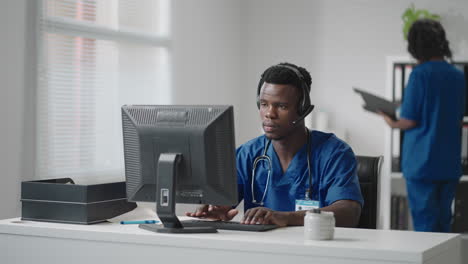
[{"x": 289, "y": 169}]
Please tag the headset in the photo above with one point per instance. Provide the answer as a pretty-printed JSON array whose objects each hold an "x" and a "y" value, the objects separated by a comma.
[{"x": 305, "y": 107}]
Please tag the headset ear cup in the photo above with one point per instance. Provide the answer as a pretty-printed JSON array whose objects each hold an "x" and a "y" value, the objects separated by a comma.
[
  {"x": 305, "y": 102},
  {"x": 259, "y": 87}
]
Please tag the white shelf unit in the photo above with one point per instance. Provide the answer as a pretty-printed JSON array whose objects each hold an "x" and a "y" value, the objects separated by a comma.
[{"x": 389, "y": 180}]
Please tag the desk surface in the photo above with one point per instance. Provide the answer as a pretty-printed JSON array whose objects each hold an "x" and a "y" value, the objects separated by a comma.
[{"x": 374, "y": 245}]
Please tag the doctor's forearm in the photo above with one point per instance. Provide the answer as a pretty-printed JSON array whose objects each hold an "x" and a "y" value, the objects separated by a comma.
[
  {"x": 402, "y": 124},
  {"x": 347, "y": 212},
  {"x": 296, "y": 218}
]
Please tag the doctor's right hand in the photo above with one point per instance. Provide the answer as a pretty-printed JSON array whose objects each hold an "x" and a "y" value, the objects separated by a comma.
[{"x": 214, "y": 212}]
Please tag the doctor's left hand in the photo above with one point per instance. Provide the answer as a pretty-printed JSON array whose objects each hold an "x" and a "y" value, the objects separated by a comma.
[{"x": 263, "y": 215}]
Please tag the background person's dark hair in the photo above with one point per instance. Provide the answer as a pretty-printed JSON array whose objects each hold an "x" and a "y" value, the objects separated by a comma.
[
  {"x": 426, "y": 40},
  {"x": 282, "y": 75}
]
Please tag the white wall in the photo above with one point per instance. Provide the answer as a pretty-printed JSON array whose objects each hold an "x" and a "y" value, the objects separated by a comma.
[
  {"x": 206, "y": 47},
  {"x": 206, "y": 62},
  {"x": 206, "y": 70},
  {"x": 220, "y": 47},
  {"x": 343, "y": 44},
  {"x": 16, "y": 104}
]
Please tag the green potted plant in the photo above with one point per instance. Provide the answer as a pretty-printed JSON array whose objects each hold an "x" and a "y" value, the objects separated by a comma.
[{"x": 412, "y": 14}]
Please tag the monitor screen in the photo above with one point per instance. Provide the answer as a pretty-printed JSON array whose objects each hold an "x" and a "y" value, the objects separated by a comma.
[{"x": 177, "y": 153}]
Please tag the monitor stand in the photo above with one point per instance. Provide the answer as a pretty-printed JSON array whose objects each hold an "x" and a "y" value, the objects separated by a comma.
[{"x": 168, "y": 164}]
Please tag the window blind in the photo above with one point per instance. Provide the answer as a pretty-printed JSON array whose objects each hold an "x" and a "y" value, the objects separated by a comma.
[{"x": 93, "y": 57}]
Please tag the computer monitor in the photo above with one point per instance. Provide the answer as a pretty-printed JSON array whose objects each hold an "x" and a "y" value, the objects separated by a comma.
[{"x": 179, "y": 153}]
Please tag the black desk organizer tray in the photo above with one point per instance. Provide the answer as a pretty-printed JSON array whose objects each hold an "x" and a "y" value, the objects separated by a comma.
[{"x": 61, "y": 200}]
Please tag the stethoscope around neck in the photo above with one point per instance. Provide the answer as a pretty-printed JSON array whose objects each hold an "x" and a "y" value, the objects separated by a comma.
[{"x": 266, "y": 158}]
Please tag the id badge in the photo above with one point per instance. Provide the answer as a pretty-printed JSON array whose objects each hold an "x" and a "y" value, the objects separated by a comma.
[{"x": 306, "y": 205}]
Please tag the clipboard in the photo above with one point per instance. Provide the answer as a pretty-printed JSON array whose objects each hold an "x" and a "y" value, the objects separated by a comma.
[{"x": 375, "y": 103}]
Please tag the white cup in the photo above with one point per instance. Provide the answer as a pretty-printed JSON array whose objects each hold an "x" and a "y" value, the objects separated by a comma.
[{"x": 319, "y": 225}]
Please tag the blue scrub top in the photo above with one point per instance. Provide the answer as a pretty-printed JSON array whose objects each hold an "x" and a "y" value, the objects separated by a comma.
[
  {"x": 333, "y": 166},
  {"x": 435, "y": 99}
]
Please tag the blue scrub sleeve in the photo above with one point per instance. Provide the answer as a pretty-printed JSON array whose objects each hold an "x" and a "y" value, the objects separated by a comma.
[
  {"x": 411, "y": 108},
  {"x": 340, "y": 179}
]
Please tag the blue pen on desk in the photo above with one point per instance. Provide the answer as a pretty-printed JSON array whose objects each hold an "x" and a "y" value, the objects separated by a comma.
[{"x": 139, "y": 222}]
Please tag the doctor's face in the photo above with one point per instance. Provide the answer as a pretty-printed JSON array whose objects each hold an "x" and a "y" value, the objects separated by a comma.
[{"x": 278, "y": 109}]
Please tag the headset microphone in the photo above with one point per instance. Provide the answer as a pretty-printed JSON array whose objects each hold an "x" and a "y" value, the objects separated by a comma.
[{"x": 306, "y": 112}]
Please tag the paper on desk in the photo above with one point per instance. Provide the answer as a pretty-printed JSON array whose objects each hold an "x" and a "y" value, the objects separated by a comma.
[{"x": 102, "y": 179}]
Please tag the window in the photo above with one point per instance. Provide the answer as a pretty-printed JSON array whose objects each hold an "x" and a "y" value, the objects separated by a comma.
[{"x": 93, "y": 57}]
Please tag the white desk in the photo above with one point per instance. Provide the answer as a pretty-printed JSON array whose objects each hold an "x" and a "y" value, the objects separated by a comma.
[{"x": 38, "y": 242}]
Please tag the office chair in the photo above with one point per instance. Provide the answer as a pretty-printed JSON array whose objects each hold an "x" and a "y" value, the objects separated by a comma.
[{"x": 368, "y": 172}]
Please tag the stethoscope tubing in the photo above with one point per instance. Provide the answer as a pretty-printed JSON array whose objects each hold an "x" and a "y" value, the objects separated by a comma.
[{"x": 265, "y": 157}]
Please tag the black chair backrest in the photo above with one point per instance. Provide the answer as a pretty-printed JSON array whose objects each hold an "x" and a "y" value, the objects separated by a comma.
[
  {"x": 368, "y": 171},
  {"x": 460, "y": 212}
]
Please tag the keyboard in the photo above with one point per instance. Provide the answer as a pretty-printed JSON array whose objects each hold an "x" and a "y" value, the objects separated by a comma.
[{"x": 227, "y": 225}]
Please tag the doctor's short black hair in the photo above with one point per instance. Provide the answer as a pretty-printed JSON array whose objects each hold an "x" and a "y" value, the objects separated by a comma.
[
  {"x": 426, "y": 39},
  {"x": 283, "y": 75}
]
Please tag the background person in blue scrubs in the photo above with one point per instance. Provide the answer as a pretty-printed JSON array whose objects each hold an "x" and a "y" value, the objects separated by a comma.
[
  {"x": 431, "y": 115},
  {"x": 275, "y": 170}
]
